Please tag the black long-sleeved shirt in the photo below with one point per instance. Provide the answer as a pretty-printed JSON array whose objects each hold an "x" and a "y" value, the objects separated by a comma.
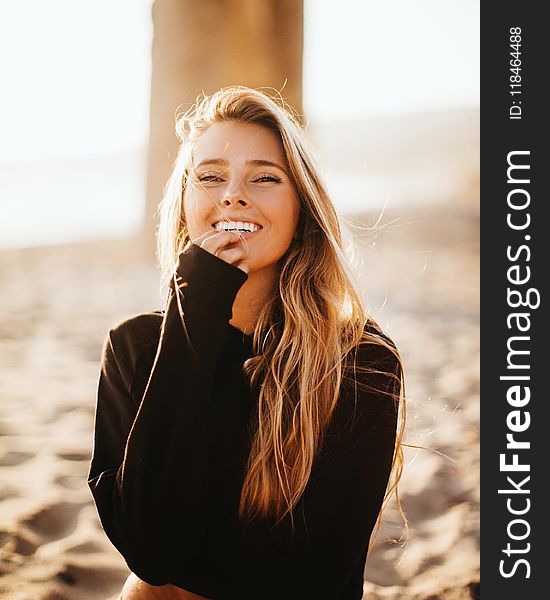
[{"x": 171, "y": 442}]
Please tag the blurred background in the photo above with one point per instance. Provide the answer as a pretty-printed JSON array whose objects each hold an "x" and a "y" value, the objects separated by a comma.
[{"x": 389, "y": 94}]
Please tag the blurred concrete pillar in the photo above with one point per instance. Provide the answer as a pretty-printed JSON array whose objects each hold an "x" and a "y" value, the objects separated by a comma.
[{"x": 207, "y": 44}]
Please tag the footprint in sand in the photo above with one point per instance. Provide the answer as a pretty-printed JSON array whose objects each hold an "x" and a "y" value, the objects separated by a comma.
[
  {"x": 70, "y": 482},
  {"x": 12, "y": 458},
  {"x": 54, "y": 521},
  {"x": 16, "y": 542},
  {"x": 74, "y": 455}
]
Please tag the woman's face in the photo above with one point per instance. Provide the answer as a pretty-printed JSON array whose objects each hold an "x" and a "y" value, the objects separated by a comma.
[{"x": 239, "y": 173}]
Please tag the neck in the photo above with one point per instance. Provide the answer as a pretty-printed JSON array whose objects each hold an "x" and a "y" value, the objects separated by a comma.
[{"x": 251, "y": 298}]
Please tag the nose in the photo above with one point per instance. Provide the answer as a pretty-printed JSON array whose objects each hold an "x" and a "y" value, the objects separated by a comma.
[{"x": 234, "y": 198}]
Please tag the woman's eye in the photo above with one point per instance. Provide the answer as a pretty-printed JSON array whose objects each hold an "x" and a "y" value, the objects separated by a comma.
[
  {"x": 267, "y": 178},
  {"x": 208, "y": 178}
]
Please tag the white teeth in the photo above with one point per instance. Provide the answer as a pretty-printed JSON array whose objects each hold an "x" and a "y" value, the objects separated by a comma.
[{"x": 242, "y": 225}]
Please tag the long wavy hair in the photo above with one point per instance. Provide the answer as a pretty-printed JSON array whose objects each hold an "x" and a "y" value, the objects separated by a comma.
[{"x": 314, "y": 318}]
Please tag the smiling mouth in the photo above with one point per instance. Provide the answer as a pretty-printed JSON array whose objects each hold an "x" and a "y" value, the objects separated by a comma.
[{"x": 240, "y": 226}]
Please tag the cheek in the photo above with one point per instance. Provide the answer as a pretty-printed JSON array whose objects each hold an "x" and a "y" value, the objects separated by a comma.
[
  {"x": 283, "y": 212},
  {"x": 194, "y": 208}
]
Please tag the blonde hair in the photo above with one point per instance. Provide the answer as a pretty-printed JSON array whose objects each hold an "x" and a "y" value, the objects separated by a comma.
[{"x": 313, "y": 319}]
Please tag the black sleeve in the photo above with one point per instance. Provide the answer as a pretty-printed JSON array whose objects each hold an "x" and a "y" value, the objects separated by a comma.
[
  {"x": 341, "y": 502},
  {"x": 149, "y": 466}
]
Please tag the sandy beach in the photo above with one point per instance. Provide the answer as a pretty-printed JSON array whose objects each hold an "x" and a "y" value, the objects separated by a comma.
[{"x": 420, "y": 275}]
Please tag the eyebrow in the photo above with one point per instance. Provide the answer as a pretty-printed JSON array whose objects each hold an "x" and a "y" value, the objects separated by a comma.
[{"x": 255, "y": 162}]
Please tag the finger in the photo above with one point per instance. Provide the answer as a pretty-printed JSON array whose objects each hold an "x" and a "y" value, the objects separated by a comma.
[
  {"x": 232, "y": 255},
  {"x": 221, "y": 240}
]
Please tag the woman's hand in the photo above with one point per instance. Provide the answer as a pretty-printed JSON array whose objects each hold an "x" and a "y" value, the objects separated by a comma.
[{"x": 225, "y": 245}]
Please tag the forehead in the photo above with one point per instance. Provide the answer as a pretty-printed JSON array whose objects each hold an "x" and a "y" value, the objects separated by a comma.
[{"x": 238, "y": 142}]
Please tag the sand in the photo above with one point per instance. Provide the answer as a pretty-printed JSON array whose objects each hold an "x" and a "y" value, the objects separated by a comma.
[{"x": 420, "y": 275}]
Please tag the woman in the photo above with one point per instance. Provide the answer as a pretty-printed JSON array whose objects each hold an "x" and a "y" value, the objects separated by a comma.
[{"x": 245, "y": 435}]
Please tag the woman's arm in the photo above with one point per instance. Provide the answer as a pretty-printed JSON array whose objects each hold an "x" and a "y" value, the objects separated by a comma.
[
  {"x": 340, "y": 504},
  {"x": 150, "y": 463}
]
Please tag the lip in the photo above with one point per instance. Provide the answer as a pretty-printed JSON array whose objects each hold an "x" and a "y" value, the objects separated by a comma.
[{"x": 247, "y": 234}]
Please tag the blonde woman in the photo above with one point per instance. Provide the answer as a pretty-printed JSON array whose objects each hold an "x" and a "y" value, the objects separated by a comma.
[{"x": 247, "y": 434}]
